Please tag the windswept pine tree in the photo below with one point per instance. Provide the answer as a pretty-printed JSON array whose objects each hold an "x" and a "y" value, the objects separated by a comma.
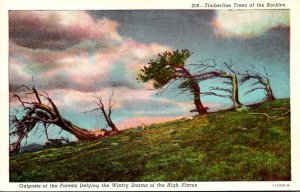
[{"x": 169, "y": 67}]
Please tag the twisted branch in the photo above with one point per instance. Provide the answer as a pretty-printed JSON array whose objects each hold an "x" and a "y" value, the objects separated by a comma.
[{"x": 269, "y": 117}]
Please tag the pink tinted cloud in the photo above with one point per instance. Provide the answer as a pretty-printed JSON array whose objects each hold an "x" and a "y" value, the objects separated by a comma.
[
  {"x": 86, "y": 73},
  {"x": 82, "y": 70},
  {"x": 141, "y": 51}
]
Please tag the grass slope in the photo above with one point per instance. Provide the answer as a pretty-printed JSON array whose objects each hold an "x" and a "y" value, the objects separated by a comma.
[{"x": 223, "y": 146}]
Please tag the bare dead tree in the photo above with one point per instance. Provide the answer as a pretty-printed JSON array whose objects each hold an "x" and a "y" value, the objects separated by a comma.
[
  {"x": 41, "y": 111},
  {"x": 230, "y": 76},
  {"x": 259, "y": 79},
  {"x": 105, "y": 113}
]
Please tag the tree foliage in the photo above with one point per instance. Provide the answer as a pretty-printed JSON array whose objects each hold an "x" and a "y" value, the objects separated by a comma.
[{"x": 167, "y": 66}]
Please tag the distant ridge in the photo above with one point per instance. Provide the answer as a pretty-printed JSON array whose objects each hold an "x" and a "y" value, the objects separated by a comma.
[{"x": 31, "y": 147}]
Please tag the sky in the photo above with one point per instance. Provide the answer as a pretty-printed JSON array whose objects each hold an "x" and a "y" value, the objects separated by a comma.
[{"x": 73, "y": 54}]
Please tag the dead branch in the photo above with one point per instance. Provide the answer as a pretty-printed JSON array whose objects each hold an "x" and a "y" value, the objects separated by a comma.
[
  {"x": 251, "y": 90},
  {"x": 268, "y": 117},
  {"x": 220, "y": 89},
  {"x": 229, "y": 66},
  {"x": 214, "y": 94},
  {"x": 203, "y": 66},
  {"x": 264, "y": 114}
]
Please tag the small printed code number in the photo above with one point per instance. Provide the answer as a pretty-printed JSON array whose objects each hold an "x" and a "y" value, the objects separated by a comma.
[
  {"x": 195, "y": 5},
  {"x": 281, "y": 185}
]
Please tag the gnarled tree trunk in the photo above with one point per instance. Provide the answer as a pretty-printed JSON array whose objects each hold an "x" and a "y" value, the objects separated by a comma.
[
  {"x": 270, "y": 96},
  {"x": 195, "y": 89},
  {"x": 235, "y": 91},
  {"x": 199, "y": 106}
]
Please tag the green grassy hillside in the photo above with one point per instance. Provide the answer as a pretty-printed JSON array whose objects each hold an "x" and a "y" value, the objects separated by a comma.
[{"x": 224, "y": 146}]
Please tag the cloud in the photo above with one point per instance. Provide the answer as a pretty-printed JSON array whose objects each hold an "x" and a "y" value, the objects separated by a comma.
[
  {"x": 59, "y": 29},
  {"x": 92, "y": 54},
  {"x": 82, "y": 69},
  {"x": 248, "y": 23}
]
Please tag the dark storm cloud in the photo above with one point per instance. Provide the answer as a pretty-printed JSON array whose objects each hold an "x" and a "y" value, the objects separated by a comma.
[
  {"x": 171, "y": 27},
  {"x": 57, "y": 29}
]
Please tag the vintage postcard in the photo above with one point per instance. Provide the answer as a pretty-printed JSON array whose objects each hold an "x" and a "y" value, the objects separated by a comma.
[{"x": 185, "y": 97}]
